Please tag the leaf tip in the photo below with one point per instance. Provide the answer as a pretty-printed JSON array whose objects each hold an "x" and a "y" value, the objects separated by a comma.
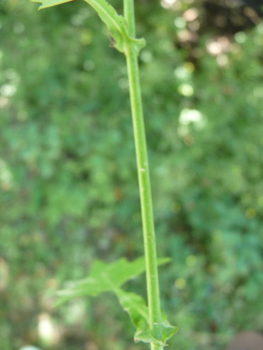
[
  {"x": 49, "y": 3},
  {"x": 39, "y": 2}
]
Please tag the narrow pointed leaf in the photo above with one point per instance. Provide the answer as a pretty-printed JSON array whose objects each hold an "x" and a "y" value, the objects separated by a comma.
[{"x": 50, "y": 3}]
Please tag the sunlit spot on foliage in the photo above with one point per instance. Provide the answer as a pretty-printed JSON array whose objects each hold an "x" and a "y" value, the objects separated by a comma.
[
  {"x": 194, "y": 116},
  {"x": 89, "y": 66},
  {"x": 251, "y": 14},
  {"x": 258, "y": 91},
  {"x": 191, "y": 260},
  {"x": 12, "y": 76},
  {"x": 183, "y": 131},
  {"x": 79, "y": 18},
  {"x": 180, "y": 283},
  {"x": 7, "y": 90},
  {"x": 186, "y": 35},
  {"x": 260, "y": 201},
  {"x": 191, "y": 14},
  {"x": 259, "y": 28},
  {"x": 6, "y": 178},
  {"x": 86, "y": 37},
  {"x": 222, "y": 60},
  {"x": 217, "y": 237},
  {"x": 76, "y": 311},
  {"x": 146, "y": 56},
  {"x": 218, "y": 46},
  {"x": 236, "y": 170},
  {"x": 11, "y": 82},
  {"x": 180, "y": 22},
  {"x": 258, "y": 40},
  {"x": 168, "y": 3},
  {"x": 3, "y": 101},
  {"x": 4, "y": 274},
  {"x": 48, "y": 332},
  {"x": 240, "y": 37},
  {"x": 189, "y": 67},
  {"x": 194, "y": 25},
  {"x": 186, "y": 90},
  {"x": 181, "y": 73}
]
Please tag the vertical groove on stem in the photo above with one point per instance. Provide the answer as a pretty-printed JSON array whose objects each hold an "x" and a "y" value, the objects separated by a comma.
[{"x": 144, "y": 181}]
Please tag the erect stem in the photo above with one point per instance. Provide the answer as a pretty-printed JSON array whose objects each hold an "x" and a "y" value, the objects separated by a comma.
[
  {"x": 144, "y": 181},
  {"x": 129, "y": 16}
]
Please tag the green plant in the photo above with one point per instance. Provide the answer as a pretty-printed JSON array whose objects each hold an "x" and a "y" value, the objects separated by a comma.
[{"x": 150, "y": 322}]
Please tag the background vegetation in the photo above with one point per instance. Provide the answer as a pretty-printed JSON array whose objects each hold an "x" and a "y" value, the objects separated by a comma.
[{"x": 68, "y": 180}]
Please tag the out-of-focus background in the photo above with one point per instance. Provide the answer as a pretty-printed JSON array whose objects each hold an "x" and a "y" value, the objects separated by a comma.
[{"x": 69, "y": 191}]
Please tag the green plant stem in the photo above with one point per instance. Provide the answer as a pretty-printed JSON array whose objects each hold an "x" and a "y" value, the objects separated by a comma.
[
  {"x": 144, "y": 181},
  {"x": 129, "y": 16}
]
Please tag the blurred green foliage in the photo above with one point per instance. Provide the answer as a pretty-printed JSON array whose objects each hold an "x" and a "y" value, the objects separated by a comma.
[{"x": 68, "y": 178}]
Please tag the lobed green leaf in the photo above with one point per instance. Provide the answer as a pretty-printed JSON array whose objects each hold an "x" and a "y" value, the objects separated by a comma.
[
  {"x": 105, "y": 277},
  {"x": 110, "y": 277}
]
